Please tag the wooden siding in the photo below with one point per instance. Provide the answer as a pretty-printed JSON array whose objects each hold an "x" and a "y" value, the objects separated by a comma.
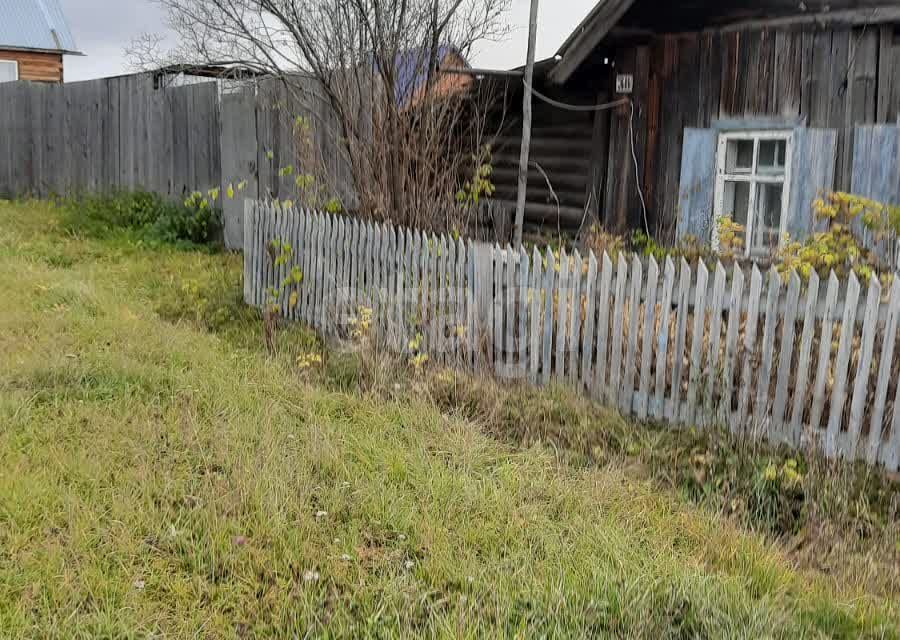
[
  {"x": 835, "y": 79},
  {"x": 36, "y": 66}
]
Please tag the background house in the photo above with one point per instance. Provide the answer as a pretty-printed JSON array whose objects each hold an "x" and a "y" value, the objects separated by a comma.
[
  {"x": 740, "y": 108},
  {"x": 34, "y": 37}
]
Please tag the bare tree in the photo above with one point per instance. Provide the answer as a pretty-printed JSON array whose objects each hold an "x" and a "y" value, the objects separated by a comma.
[{"x": 409, "y": 130}]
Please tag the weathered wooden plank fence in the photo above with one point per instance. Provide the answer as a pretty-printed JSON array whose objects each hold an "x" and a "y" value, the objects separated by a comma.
[
  {"x": 685, "y": 345},
  {"x": 129, "y": 133}
]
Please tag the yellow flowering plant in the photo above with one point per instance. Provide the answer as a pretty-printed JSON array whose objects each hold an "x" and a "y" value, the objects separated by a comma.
[{"x": 837, "y": 247}]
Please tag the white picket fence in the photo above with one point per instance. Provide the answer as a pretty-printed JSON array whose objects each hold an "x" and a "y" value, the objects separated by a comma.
[{"x": 804, "y": 364}]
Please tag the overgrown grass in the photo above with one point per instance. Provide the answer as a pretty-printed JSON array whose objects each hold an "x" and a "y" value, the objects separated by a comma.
[
  {"x": 160, "y": 475},
  {"x": 146, "y": 216}
]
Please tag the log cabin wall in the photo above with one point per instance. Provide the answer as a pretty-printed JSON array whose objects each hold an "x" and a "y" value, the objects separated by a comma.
[
  {"x": 36, "y": 66},
  {"x": 562, "y": 143},
  {"x": 829, "y": 78}
]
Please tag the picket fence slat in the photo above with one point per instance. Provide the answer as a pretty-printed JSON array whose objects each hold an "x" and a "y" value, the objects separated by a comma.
[
  {"x": 497, "y": 333},
  {"x": 803, "y": 361},
  {"x": 861, "y": 384},
  {"x": 818, "y": 401},
  {"x": 535, "y": 319},
  {"x": 876, "y": 426},
  {"x": 547, "y": 351},
  {"x": 462, "y": 299},
  {"x": 731, "y": 346},
  {"x": 322, "y": 257},
  {"x": 749, "y": 346},
  {"x": 615, "y": 368},
  {"x": 562, "y": 323},
  {"x": 643, "y": 400},
  {"x": 433, "y": 317},
  {"x": 673, "y": 411},
  {"x": 588, "y": 342},
  {"x": 271, "y": 219},
  {"x": 522, "y": 313},
  {"x": 510, "y": 311},
  {"x": 696, "y": 364},
  {"x": 249, "y": 213},
  {"x": 448, "y": 353},
  {"x": 626, "y": 391},
  {"x": 603, "y": 303},
  {"x": 418, "y": 280},
  {"x": 763, "y": 380},
  {"x": 329, "y": 308},
  {"x": 472, "y": 333},
  {"x": 785, "y": 358},
  {"x": 890, "y": 452},
  {"x": 714, "y": 373},
  {"x": 657, "y": 409},
  {"x": 574, "y": 330},
  {"x": 674, "y": 342},
  {"x": 423, "y": 284},
  {"x": 842, "y": 363}
]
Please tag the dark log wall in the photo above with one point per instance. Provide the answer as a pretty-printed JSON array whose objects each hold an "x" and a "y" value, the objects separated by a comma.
[
  {"x": 832, "y": 78},
  {"x": 562, "y": 144}
]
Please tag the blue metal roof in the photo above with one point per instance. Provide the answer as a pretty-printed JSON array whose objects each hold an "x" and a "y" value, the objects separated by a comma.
[{"x": 34, "y": 24}]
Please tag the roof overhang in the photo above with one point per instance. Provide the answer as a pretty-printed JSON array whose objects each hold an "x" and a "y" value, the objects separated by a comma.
[
  {"x": 587, "y": 35},
  {"x": 64, "y": 52},
  {"x": 601, "y": 23}
]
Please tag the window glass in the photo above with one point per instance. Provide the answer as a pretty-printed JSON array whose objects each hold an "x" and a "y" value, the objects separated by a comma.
[
  {"x": 767, "y": 225},
  {"x": 739, "y": 156},
  {"x": 771, "y": 156},
  {"x": 9, "y": 71},
  {"x": 737, "y": 201}
]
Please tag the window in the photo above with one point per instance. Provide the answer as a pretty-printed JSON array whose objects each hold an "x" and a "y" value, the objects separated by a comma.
[
  {"x": 9, "y": 70},
  {"x": 752, "y": 180}
]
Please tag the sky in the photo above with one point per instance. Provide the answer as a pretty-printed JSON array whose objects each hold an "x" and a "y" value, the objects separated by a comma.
[{"x": 104, "y": 28}]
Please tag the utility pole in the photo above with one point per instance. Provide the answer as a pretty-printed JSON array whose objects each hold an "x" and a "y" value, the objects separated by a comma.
[{"x": 526, "y": 125}]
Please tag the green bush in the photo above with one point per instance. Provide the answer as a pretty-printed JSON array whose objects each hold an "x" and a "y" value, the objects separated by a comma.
[{"x": 195, "y": 221}]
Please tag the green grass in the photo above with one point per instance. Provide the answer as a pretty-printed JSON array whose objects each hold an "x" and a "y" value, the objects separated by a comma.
[{"x": 160, "y": 476}]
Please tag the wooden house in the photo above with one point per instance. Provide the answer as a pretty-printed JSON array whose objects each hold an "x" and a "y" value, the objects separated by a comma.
[
  {"x": 742, "y": 108},
  {"x": 34, "y": 37}
]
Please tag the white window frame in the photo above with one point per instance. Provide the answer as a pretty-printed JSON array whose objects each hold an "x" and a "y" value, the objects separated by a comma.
[
  {"x": 15, "y": 64},
  {"x": 753, "y": 178}
]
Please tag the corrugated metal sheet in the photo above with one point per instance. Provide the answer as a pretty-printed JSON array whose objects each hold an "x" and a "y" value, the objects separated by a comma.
[{"x": 34, "y": 24}]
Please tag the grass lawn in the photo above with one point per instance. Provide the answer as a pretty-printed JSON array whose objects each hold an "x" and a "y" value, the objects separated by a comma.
[{"x": 162, "y": 479}]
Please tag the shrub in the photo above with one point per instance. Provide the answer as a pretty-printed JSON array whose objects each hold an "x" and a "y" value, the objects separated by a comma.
[
  {"x": 837, "y": 247},
  {"x": 196, "y": 221}
]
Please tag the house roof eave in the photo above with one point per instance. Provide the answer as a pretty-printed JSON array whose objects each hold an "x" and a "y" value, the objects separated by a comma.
[{"x": 586, "y": 36}]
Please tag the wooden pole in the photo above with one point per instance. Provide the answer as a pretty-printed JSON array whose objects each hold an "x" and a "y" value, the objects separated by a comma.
[{"x": 526, "y": 125}]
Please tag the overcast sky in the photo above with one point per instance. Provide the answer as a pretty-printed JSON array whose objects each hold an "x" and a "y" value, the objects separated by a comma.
[{"x": 103, "y": 28}]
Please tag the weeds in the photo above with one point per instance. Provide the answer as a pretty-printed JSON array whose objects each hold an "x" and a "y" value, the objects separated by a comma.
[{"x": 149, "y": 216}]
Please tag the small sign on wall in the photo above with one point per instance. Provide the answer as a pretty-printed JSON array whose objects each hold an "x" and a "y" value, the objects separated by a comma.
[{"x": 624, "y": 83}]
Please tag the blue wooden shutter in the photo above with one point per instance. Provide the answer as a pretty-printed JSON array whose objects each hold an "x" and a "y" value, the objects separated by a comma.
[
  {"x": 698, "y": 184},
  {"x": 812, "y": 170},
  {"x": 876, "y": 169},
  {"x": 876, "y": 175}
]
